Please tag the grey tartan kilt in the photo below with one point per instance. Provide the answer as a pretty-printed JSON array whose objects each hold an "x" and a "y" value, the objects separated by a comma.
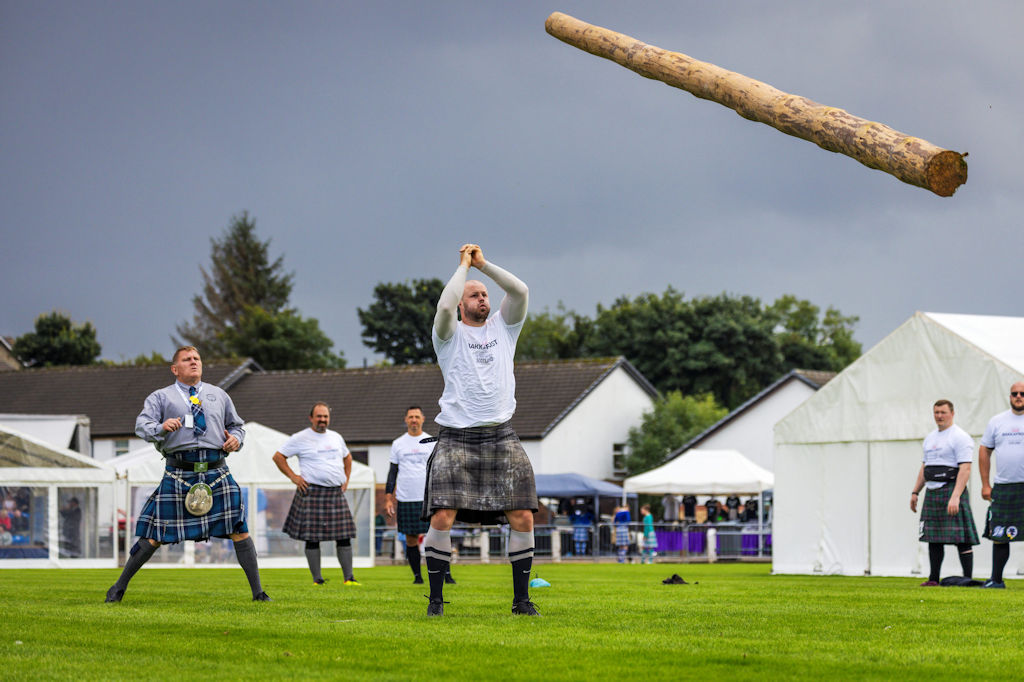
[
  {"x": 481, "y": 472},
  {"x": 1005, "y": 519},
  {"x": 164, "y": 518},
  {"x": 938, "y": 526},
  {"x": 320, "y": 514},
  {"x": 409, "y": 519}
]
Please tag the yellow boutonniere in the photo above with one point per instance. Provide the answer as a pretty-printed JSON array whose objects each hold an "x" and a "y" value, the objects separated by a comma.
[{"x": 194, "y": 400}]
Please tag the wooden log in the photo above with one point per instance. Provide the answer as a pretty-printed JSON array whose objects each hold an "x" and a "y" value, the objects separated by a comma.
[{"x": 911, "y": 159}]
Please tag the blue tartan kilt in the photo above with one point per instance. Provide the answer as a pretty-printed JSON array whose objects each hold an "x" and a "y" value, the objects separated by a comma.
[
  {"x": 165, "y": 520},
  {"x": 581, "y": 533},
  {"x": 621, "y": 535},
  {"x": 938, "y": 526}
]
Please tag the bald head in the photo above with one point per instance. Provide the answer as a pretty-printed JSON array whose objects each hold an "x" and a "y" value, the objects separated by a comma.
[
  {"x": 1017, "y": 397},
  {"x": 474, "y": 305}
]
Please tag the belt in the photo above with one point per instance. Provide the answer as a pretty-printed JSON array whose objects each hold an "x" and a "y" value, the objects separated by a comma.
[{"x": 195, "y": 466}]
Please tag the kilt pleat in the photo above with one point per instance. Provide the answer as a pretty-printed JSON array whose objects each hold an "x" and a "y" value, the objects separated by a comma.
[
  {"x": 1005, "y": 519},
  {"x": 938, "y": 526},
  {"x": 164, "y": 519},
  {"x": 621, "y": 535},
  {"x": 410, "y": 521},
  {"x": 481, "y": 472},
  {"x": 320, "y": 514}
]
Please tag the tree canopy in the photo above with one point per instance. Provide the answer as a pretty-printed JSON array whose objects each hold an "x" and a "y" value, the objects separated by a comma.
[
  {"x": 58, "y": 341},
  {"x": 283, "y": 340},
  {"x": 240, "y": 275},
  {"x": 243, "y": 309},
  {"x": 673, "y": 421},
  {"x": 397, "y": 323}
]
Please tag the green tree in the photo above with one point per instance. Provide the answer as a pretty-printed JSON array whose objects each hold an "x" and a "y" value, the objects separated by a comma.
[
  {"x": 281, "y": 340},
  {"x": 58, "y": 341},
  {"x": 721, "y": 345},
  {"x": 554, "y": 335},
  {"x": 240, "y": 274},
  {"x": 397, "y": 323},
  {"x": 142, "y": 360},
  {"x": 809, "y": 341},
  {"x": 673, "y": 421}
]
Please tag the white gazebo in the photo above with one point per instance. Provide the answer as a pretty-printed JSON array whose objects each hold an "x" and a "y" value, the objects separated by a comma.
[
  {"x": 60, "y": 505},
  {"x": 252, "y": 467}
]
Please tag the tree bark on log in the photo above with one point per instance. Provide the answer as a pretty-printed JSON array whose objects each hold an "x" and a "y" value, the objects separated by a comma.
[{"x": 911, "y": 159}]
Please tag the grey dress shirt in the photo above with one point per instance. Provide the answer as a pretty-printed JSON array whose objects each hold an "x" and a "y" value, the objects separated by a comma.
[{"x": 172, "y": 401}]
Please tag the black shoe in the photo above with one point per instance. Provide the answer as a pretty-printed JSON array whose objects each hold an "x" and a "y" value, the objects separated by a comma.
[
  {"x": 525, "y": 608},
  {"x": 435, "y": 607},
  {"x": 262, "y": 596},
  {"x": 418, "y": 580},
  {"x": 114, "y": 594},
  {"x": 448, "y": 579},
  {"x": 320, "y": 582}
]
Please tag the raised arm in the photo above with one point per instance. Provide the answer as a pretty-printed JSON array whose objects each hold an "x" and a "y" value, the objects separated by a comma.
[
  {"x": 447, "y": 315},
  {"x": 517, "y": 295}
]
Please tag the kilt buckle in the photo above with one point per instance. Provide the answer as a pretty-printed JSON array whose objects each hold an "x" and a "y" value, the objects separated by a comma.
[{"x": 200, "y": 466}]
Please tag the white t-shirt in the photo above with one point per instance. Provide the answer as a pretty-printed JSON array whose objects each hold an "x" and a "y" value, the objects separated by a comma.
[
  {"x": 321, "y": 456},
  {"x": 411, "y": 457},
  {"x": 1005, "y": 435},
  {"x": 479, "y": 383},
  {"x": 950, "y": 447}
]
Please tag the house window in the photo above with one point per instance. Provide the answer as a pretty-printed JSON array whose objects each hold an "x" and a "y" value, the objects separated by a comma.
[
  {"x": 619, "y": 459},
  {"x": 120, "y": 448},
  {"x": 361, "y": 456}
]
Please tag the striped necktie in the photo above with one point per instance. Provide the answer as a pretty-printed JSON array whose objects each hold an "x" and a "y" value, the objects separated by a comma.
[{"x": 198, "y": 417}]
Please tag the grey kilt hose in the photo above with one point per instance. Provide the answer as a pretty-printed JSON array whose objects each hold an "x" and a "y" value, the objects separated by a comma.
[
  {"x": 938, "y": 526},
  {"x": 320, "y": 514},
  {"x": 1005, "y": 520},
  {"x": 165, "y": 520},
  {"x": 410, "y": 522},
  {"x": 481, "y": 472}
]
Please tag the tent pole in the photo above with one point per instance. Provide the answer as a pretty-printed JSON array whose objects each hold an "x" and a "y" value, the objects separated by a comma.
[{"x": 760, "y": 521}]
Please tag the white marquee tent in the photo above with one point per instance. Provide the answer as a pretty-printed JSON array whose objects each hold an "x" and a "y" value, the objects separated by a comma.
[
  {"x": 846, "y": 460},
  {"x": 254, "y": 470},
  {"x": 38, "y": 482},
  {"x": 696, "y": 472}
]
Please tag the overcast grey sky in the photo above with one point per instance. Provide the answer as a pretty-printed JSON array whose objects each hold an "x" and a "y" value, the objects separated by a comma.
[{"x": 370, "y": 140}]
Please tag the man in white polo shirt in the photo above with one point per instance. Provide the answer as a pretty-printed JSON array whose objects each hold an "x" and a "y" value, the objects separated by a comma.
[
  {"x": 1004, "y": 438},
  {"x": 407, "y": 477},
  {"x": 319, "y": 510}
]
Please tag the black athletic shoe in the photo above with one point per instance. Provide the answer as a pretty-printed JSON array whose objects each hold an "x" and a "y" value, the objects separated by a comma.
[
  {"x": 262, "y": 596},
  {"x": 448, "y": 579},
  {"x": 525, "y": 608},
  {"x": 418, "y": 580},
  {"x": 114, "y": 594},
  {"x": 320, "y": 582},
  {"x": 435, "y": 608}
]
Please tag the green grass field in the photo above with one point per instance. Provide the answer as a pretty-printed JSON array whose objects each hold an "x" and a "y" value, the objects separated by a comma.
[{"x": 600, "y": 622}]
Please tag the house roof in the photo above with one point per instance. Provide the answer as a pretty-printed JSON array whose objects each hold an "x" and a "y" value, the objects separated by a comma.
[
  {"x": 110, "y": 396},
  {"x": 814, "y": 378},
  {"x": 369, "y": 404}
]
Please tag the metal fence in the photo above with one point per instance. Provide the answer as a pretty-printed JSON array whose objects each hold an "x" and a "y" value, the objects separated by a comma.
[{"x": 676, "y": 541}]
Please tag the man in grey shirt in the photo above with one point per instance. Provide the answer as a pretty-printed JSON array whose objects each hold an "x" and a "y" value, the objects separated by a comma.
[{"x": 195, "y": 426}]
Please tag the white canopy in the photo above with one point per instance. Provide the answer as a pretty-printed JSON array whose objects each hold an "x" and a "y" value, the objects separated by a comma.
[
  {"x": 26, "y": 460},
  {"x": 711, "y": 472},
  {"x": 847, "y": 458},
  {"x": 252, "y": 464}
]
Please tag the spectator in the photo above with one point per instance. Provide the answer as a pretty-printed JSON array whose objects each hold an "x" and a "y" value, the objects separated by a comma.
[
  {"x": 750, "y": 510},
  {"x": 650, "y": 537},
  {"x": 582, "y": 521},
  {"x": 71, "y": 529},
  {"x": 621, "y": 521},
  {"x": 5, "y": 520}
]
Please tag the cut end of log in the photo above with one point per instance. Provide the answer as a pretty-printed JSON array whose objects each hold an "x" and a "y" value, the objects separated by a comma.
[{"x": 946, "y": 171}]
